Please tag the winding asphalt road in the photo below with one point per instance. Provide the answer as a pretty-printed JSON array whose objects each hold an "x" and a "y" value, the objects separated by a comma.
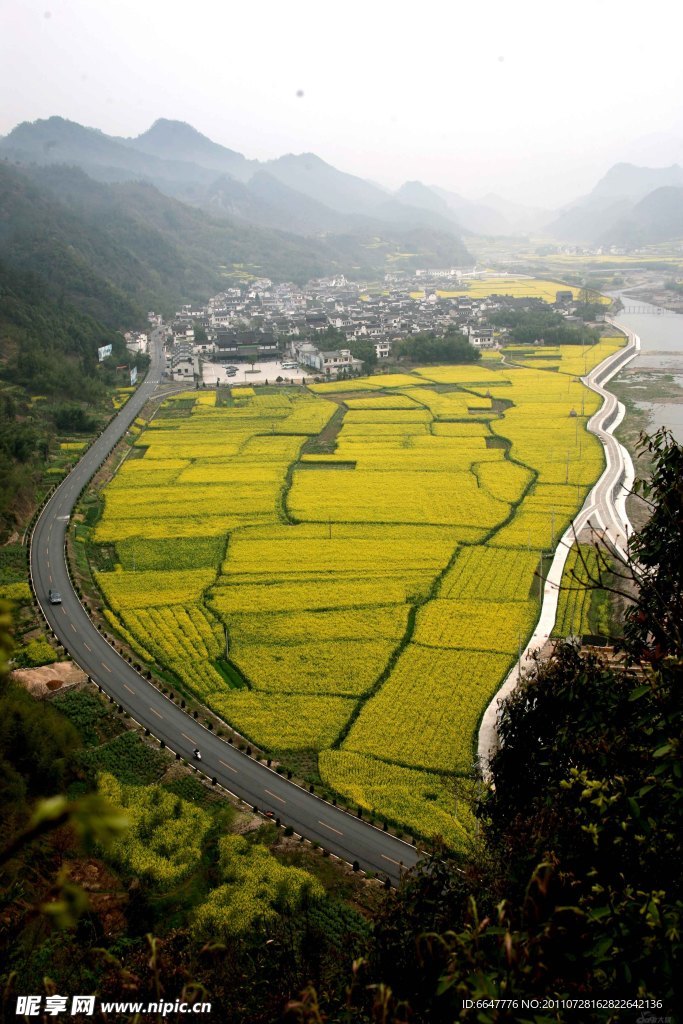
[{"x": 335, "y": 830}]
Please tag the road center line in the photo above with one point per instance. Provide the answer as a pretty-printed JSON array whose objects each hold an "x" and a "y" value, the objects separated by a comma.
[
  {"x": 324, "y": 823},
  {"x": 226, "y": 765},
  {"x": 396, "y": 862},
  {"x": 105, "y": 667},
  {"x": 188, "y": 738},
  {"x": 73, "y": 627},
  {"x": 129, "y": 688},
  {"x": 275, "y": 797},
  {"x": 157, "y": 713},
  {"x": 86, "y": 647}
]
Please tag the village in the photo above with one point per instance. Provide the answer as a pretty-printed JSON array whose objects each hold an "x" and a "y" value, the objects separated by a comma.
[{"x": 330, "y": 327}]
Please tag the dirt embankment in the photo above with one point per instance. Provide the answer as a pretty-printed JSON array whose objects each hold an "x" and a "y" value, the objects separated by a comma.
[{"x": 41, "y": 682}]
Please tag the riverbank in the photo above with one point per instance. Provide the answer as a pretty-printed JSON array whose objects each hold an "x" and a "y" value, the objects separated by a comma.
[{"x": 650, "y": 387}]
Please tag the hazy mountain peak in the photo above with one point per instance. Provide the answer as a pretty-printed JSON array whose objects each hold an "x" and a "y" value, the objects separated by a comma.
[
  {"x": 308, "y": 173},
  {"x": 176, "y": 140},
  {"x": 59, "y": 127},
  {"x": 307, "y": 160},
  {"x": 171, "y": 125},
  {"x": 418, "y": 194},
  {"x": 166, "y": 131},
  {"x": 56, "y": 139},
  {"x": 624, "y": 180}
]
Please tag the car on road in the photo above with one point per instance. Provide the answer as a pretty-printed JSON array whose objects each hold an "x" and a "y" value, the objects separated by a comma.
[
  {"x": 290, "y": 366},
  {"x": 231, "y": 373},
  {"x": 54, "y": 597}
]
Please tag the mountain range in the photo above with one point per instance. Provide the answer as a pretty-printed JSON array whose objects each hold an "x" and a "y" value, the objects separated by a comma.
[
  {"x": 298, "y": 193},
  {"x": 348, "y": 222},
  {"x": 630, "y": 206}
]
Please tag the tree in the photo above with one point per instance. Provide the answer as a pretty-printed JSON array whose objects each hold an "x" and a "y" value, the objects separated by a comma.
[
  {"x": 363, "y": 348},
  {"x": 654, "y": 624},
  {"x": 428, "y": 347},
  {"x": 528, "y": 325}
]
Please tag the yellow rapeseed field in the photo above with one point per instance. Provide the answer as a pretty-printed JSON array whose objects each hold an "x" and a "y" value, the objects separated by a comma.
[
  {"x": 369, "y": 586},
  {"x": 518, "y": 287}
]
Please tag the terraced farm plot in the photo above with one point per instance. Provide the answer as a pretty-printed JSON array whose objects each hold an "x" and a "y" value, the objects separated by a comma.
[
  {"x": 518, "y": 287},
  {"x": 371, "y": 597},
  {"x": 475, "y": 625},
  {"x": 395, "y": 401},
  {"x": 426, "y": 713},
  {"x": 439, "y": 498},
  {"x": 423, "y": 799},
  {"x": 489, "y": 573},
  {"x": 584, "y": 570}
]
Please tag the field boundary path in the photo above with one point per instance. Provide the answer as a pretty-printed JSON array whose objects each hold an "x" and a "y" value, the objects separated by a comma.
[
  {"x": 604, "y": 510},
  {"x": 334, "y": 829}
]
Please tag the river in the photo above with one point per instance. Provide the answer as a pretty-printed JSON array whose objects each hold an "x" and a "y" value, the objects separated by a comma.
[{"x": 654, "y": 380}]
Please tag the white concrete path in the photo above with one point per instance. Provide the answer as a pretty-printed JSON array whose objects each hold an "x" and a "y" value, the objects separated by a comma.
[{"x": 604, "y": 509}]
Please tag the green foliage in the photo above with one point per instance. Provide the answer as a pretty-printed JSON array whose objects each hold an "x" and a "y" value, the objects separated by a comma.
[
  {"x": 362, "y": 348},
  {"x": 36, "y": 652},
  {"x": 654, "y": 626},
  {"x": 90, "y": 714},
  {"x": 17, "y": 593},
  {"x": 163, "y": 840},
  {"x": 126, "y": 757},
  {"x": 12, "y": 563},
  {"x": 36, "y": 747},
  {"x": 340, "y": 925},
  {"x": 528, "y": 325},
  {"x": 591, "y": 309},
  {"x": 195, "y": 792},
  {"x": 73, "y": 419},
  {"x": 49, "y": 349},
  {"x": 587, "y": 781},
  {"x": 76, "y": 264},
  {"x": 428, "y": 347},
  {"x": 52, "y": 344},
  {"x": 256, "y": 890}
]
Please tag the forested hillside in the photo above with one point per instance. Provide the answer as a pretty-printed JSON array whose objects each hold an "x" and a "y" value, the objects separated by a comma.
[{"x": 51, "y": 382}]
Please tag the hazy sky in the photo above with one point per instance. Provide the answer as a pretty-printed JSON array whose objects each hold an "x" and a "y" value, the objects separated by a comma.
[{"x": 532, "y": 99}]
